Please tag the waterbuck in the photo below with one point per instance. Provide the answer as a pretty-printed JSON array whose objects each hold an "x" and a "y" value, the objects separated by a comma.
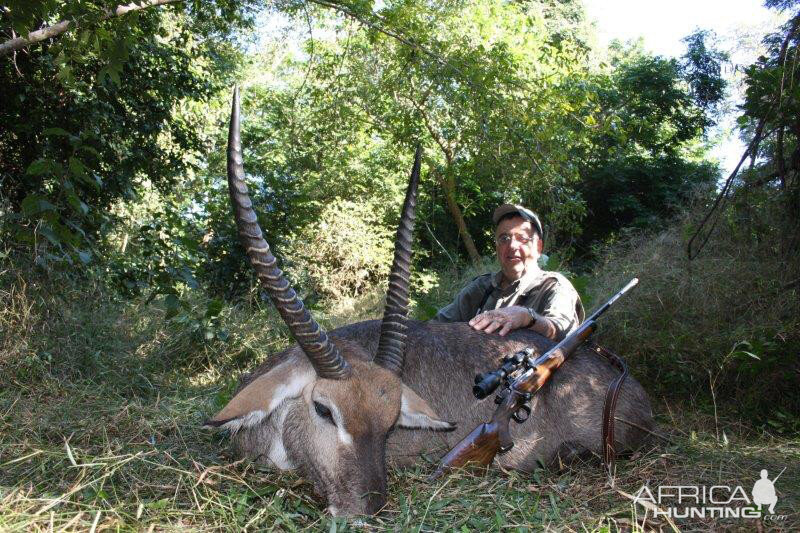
[{"x": 337, "y": 406}]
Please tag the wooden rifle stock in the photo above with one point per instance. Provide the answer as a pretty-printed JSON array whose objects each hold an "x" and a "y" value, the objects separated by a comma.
[{"x": 490, "y": 438}]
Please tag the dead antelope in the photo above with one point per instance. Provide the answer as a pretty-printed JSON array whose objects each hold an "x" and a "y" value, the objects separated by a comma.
[{"x": 337, "y": 406}]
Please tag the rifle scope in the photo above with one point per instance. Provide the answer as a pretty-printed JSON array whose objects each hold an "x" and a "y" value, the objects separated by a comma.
[{"x": 485, "y": 384}]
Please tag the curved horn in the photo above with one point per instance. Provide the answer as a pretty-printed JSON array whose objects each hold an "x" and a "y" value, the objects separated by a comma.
[
  {"x": 323, "y": 355},
  {"x": 392, "y": 343}
]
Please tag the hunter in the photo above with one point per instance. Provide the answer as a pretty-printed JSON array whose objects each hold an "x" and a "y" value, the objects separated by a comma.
[{"x": 520, "y": 295}]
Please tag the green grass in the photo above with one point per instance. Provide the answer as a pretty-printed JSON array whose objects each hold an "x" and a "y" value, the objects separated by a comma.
[
  {"x": 726, "y": 322},
  {"x": 102, "y": 401}
]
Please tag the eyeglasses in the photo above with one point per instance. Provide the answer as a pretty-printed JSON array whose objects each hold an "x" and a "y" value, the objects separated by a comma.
[{"x": 506, "y": 239}]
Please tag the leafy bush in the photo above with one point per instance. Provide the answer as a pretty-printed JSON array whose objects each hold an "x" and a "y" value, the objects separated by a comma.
[{"x": 345, "y": 253}]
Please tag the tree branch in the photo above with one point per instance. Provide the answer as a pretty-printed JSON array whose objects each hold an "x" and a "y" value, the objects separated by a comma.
[
  {"x": 752, "y": 150},
  {"x": 394, "y": 34},
  {"x": 347, "y": 11},
  {"x": 18, "y": 43}
]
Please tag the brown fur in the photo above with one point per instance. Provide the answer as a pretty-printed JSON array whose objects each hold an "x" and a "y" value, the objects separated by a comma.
[{"x": 440, "y": 363}]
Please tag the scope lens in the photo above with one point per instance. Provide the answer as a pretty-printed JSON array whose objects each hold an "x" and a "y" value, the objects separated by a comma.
[{"x": 487, "y": 385}]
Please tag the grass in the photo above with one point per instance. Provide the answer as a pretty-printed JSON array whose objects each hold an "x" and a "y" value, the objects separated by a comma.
[
  {"x": 102, "y": 400},
  {"x": 75, "y": 456},
  {"x": 723, "y": 327}
]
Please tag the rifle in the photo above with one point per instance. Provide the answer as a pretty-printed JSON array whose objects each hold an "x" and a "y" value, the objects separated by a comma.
[{"x": 523, "y": 376}]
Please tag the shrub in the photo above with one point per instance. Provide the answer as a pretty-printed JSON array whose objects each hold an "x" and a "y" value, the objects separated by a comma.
[
  {"x": 345, "y": 253},
  {"x": 720, "y": 328}
]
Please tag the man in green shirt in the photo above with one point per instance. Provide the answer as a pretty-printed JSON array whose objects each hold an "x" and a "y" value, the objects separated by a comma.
[{"x": 521, "y": 295}]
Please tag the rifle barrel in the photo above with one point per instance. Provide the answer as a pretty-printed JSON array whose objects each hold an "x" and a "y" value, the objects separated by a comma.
[
  {"x": 603, "y": 308},
  {"x": 488, "y": 439}
]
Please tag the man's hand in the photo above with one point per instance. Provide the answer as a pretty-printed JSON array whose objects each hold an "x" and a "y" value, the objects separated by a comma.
[{"x": 502, "y": 320}]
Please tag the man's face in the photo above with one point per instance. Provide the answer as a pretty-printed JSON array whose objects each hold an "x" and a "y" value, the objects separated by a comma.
[{"x": 518, "y": 247}]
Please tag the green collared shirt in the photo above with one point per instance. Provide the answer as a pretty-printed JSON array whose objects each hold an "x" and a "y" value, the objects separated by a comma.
[{"x": 550, "y": 294}]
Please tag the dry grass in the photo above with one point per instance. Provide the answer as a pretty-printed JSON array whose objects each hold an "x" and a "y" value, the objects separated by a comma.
[
  {"x": 141, "y": 464},
  {"x": 102, "y": 401},
  {"x": 724, "y": 327}
]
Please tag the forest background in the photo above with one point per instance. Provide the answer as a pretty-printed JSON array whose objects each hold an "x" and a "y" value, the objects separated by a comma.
[{"x": 122, "y": 276}]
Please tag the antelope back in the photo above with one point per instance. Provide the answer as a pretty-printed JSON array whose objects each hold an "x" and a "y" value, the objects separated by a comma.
[{"x": 441, "y": 361}]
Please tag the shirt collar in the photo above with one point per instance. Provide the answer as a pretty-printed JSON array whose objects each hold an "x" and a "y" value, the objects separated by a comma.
[{"x": 525, "y": 282}]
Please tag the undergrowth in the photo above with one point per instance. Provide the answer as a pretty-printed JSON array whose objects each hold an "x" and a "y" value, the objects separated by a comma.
[
  {"x": 720, "y": 330},
  {"x": 102, "y": 400}
]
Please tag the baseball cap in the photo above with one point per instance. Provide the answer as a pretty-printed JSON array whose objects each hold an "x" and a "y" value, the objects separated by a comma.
[{"x": 525, "y": 213}]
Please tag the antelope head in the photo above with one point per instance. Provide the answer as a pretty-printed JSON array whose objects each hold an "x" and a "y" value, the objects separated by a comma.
[{"x": 328, "y": 408}]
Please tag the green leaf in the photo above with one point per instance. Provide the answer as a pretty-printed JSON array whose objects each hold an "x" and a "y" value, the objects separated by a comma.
[
  {"x": 173, "y": 306},
  {"x": 78, "y": 169},
  {"x": 24, "y": 235},
  {"x": 40, "y": 166},
  {"x": 187, "y": 276},
  {"x": 64, "y": 234},
  {"x": 84, "y": 256},
  {"x": 90, "y": 149},
  {"x": 214, "y": 308},
  {"x": 50, "y": 235},
  {"x": 59, "y": 132},
  {"x": 65, "y": 74},
  {"x": 163, "y": 503},
  {"x": 34, "y": 204},
  {"x": 76, "y": 203}
]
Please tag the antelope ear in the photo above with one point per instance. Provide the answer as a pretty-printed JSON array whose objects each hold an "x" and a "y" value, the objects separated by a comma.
[
  {"x": 415, "y": 413},
  {"x": 261, "y": 396}
]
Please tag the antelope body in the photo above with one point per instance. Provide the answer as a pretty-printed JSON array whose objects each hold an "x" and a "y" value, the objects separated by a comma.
[{"x": 337, "y": 406}]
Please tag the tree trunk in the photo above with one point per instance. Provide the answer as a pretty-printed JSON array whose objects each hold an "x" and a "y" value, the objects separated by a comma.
[
  {"x": 449, "y": 188},
  {"x": 448, "y": 184}
]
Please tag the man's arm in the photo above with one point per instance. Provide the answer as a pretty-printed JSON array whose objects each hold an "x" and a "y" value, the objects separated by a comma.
[
  {"x": 559, "y": 307},
  {"x": 466, "y": 302},
  {"x": 558, "y": 316},
  {"x": 508, "y": 319}
]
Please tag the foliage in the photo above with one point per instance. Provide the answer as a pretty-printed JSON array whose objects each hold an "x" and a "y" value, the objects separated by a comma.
[
  {"x": 643, "y": 165},
  {"x": 722, "y": 327},
  {"x": 502, "y": 97},
  {"x": 702, "y": 69},
  {"x": 771, "y": 107},
  {"x": 88, "y": 137},
  {"x": 345, "y": 252},
  {"x": 480, "y": 90},
  {"x": 126, "y": 176}
]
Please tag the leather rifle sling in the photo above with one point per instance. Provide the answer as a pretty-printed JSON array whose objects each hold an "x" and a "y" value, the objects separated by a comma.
[
  {"x": 610, "y": 404},
  {"x": 612, "y": 394}
]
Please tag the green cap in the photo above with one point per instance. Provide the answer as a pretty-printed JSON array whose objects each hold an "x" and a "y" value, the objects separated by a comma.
[{"x": 524, "y": 212}]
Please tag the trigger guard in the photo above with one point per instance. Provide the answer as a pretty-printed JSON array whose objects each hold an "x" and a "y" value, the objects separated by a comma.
[{"x": 519, "y": 418}]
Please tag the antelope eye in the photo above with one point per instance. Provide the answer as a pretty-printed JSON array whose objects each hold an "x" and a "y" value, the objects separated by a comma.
[{"x": 324, "y": 412}]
